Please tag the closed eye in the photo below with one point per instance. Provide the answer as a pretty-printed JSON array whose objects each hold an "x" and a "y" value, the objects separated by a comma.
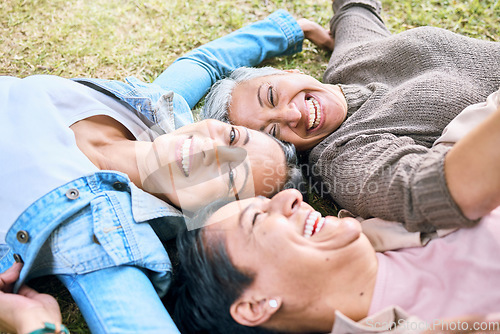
[
  {"x": 270, "y": 95},
  {"x": 273, "y": 130},
  {"x": 255, "y": 217}
]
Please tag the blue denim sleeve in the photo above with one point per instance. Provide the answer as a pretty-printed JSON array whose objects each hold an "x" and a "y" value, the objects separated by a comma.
[
  {"x": 192, "y": 75},
  {"x": 119, "y": 300}
]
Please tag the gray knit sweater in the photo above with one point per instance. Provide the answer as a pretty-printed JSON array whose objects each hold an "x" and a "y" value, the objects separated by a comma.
[{"x": 401, "y": 91}]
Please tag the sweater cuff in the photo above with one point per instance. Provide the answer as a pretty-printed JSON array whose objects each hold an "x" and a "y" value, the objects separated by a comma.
[
  {"x": 432, "y": 197},
  {"x": 291, "y": 29}
]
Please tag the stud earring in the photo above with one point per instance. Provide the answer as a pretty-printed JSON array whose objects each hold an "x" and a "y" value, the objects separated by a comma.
[{"x": 273, "y": 303}]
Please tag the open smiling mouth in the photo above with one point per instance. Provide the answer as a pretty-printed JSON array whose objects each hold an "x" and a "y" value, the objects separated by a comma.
[
  {"x": 314, "y": 223},
  {"x": 314, "y": 112}
]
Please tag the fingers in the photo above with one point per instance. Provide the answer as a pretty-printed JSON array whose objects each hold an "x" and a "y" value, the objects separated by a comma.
[
  {"x": 8, "y": 277},
  {"x": 48, "y": 302},
  {"x": 27, "y": 291},
  {"x": 316, "y": 34},
  {"x": 51, "y": 306},
  {"x": 27, "y": 310}
]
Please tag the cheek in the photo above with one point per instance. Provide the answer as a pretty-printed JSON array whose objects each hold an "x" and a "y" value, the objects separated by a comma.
[
  {"x": 291, "y": 135},
  {"x": 303, "y": 144},
  {"x": 275, "y": 240},
  {"x": 194, "y": 195},
  {"x": 269, "y": 176},
  {"x": 237, "y": 114},
  {"x": 284, "y": 263}
]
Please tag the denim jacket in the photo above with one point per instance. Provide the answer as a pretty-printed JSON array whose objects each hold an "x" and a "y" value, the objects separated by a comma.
[
  {"x": 163, "y": 111},
  {"x": 104, "y": 214}
]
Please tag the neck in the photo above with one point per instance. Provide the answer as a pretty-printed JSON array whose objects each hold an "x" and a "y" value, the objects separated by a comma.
[
  {"x": 357, "y": 296},
  {"x": 109, "y": 145}
]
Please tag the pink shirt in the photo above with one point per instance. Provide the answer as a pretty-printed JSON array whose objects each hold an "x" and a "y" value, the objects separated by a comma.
[{"x": 452, "y": 276}]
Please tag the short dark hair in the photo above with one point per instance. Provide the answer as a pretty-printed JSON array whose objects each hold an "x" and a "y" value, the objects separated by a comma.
[{"x": 207, "y": 282}]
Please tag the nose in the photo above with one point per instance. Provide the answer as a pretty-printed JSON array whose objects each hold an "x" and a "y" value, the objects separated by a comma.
[
  {"x": 289, "y": 114},
  {"x": 286, "y": 202}
]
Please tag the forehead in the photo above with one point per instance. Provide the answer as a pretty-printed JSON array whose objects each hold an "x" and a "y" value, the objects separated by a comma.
[
  {"x": 268, "y": 163},
  {"x": 263, "y": 144},
  {"x": 247, "y": 90}
]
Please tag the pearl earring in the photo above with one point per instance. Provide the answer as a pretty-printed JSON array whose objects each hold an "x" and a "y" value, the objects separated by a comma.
[{"x": 273, "y": 303}]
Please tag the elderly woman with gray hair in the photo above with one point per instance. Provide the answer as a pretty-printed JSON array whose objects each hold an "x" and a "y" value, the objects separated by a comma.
[{"x": 368, "y": 130}]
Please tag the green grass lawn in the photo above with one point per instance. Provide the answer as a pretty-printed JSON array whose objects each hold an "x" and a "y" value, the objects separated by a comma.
[{"x": 113, "y": 39}]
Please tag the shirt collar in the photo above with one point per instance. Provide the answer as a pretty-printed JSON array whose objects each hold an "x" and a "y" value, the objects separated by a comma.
[
  {"x": 389, "y": 320},
  {"x": 146, "y": 206}
]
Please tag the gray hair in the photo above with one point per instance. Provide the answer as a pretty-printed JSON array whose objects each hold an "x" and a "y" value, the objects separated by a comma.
[
  {"x": 218, "y": 100},
  {"x": 294, "y": 177}
]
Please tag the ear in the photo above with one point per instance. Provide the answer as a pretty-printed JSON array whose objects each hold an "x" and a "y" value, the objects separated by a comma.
[{"x": 250, "y": 311}]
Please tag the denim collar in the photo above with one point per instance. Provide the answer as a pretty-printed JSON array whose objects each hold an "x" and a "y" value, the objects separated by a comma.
[{"x": 146, "y": 206}]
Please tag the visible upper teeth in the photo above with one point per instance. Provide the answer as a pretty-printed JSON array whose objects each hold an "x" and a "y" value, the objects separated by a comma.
[
  {"x": 314, "y": 112},
  {"x": 320, "y": 224},
  {"x": 310, "y": 221},
  {"x": 186, "y": 156}
]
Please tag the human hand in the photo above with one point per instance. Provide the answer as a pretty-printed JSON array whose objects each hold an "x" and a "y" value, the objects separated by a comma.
[
  {"x": 26, "y": 311},
  {"x": 316, "y": 34}
]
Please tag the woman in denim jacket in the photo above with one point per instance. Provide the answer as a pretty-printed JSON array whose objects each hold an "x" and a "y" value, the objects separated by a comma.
[{"x": 67, "y": 211}]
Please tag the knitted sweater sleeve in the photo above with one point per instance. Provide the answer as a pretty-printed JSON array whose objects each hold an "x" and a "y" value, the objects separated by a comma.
[
  {"x": 379, "y": 162},
  {"x": 356, "y": 22},
  {"x": 390, "y": 177}
]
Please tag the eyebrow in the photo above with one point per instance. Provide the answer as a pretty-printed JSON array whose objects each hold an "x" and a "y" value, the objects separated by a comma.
[
  {"x": 237, "y": 192},
  {"x": 259, "y": 98},
  {"x": 258, "y": 95},
  {"x": 247, "y": 171},
  {"x": 247, "y": 138}
]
